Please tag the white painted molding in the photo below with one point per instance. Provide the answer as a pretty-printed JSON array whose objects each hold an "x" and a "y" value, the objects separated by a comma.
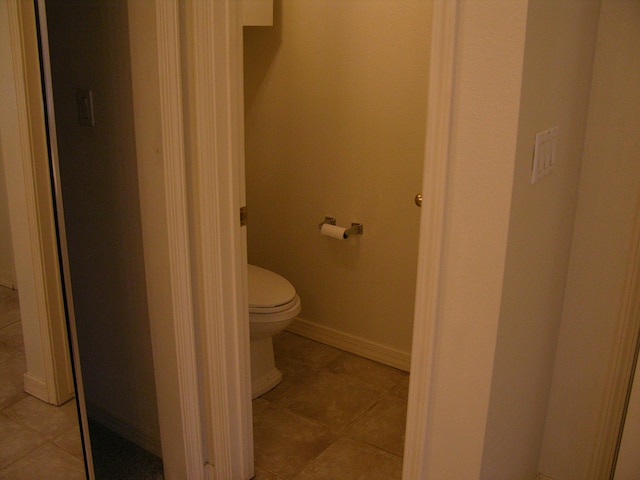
[
  {"x": 35, "y": 386},
  {"x": 173, "y": 152},
  {"x": 350, "y": 343},
  {"x": 621, "y": 366},
  {"x": 28, "y": 259},
  {"x": 31, "y": 211},
  {"x": 443, "y": 40},
  {"x": 146, "y": 439},
  {"x": 215, "y": 73}
]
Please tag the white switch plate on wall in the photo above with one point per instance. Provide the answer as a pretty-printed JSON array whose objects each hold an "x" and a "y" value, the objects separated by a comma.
[{"x": 544, "y": 153}]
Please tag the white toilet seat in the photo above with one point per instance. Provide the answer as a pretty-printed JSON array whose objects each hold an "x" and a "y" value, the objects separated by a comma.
[
  {"x": 262, "y": 314},
  {"x": 267, "y": 289}
]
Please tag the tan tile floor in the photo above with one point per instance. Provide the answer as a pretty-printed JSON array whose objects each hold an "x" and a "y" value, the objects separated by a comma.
[
  {"x": 37, "y": 440},
  {"x": 334, "y": 416}
]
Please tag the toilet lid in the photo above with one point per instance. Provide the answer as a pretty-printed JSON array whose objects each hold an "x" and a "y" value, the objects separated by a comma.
[{"x": 268, "y": 289}]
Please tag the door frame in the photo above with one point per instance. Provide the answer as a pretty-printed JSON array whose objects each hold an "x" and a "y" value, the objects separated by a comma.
[
  {"x": 228, "y": 58},
  {"x": 216, "y": 142},
  {"x": 213, "y": 73},
  {"x": 622, "y": 365},
  {"x": 434, "y": 181},
  {"x": 48, "y": 375}
]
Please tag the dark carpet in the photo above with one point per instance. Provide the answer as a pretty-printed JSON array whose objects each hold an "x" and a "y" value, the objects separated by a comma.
[{"x": 115, "y": 458}]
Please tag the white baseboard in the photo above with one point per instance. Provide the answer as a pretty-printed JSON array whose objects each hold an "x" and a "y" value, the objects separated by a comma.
[
  {"x": 146, "y": 439},
  {"x": 350, "y": 343},
  {"x": 36, "y": 387}
]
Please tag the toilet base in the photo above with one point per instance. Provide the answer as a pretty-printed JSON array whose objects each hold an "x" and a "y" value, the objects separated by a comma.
[
  {"x": 266, "y": 383},
  {"x": 264, "y": 374}
]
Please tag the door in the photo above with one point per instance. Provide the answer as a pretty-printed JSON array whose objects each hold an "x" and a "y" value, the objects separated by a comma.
[
  {"x": 628, "y": 463},
  {"x": 92, "y": 146}
]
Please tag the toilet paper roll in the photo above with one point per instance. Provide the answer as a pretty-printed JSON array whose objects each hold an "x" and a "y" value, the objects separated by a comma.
[{"x": 333, "y": 231}]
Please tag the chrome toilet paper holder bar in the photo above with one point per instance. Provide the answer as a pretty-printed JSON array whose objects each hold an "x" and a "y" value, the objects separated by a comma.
[{"x": 356, "y": 228}]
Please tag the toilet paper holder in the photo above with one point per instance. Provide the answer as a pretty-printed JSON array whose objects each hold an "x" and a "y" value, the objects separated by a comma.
[{"x": 356, "y": 228}]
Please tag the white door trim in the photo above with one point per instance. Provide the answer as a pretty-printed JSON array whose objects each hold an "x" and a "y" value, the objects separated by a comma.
[
  {"x": 214, "y": 70},
  {"x": 443, "y": 43},
  {"x": 218, "y": 183},
  {"x": 219, "y": 197},
  {"x": 174, "y": 161},
  {"x": 31, "y": 213},
  {"x": 621, "y": 368}
]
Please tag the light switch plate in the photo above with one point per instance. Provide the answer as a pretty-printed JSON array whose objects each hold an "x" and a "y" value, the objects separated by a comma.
[
  {"x": 84, "y": 102},
  {"x": 544, "y": 153}
]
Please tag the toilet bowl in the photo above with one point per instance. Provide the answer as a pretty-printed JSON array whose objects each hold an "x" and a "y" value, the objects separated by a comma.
[{"x": 273, "y": 304}]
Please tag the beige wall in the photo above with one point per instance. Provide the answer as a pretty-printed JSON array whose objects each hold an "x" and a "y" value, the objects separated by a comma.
[
  {"x": 521, "y": 67},
  {"x": 335, "y": 123},
  {"x": 558, "y": 61},
  {"x": 98, "y": 171},
  {"x": 488, "y": 79},
  {"x": 607, "y": 210},
  {"x": 7, "y": 267}
]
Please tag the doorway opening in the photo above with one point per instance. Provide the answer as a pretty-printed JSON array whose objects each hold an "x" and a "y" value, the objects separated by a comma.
[{"x": 335, "y": 120}]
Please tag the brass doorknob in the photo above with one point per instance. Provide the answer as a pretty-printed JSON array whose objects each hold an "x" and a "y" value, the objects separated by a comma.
[{"x": 418, "y": 199}]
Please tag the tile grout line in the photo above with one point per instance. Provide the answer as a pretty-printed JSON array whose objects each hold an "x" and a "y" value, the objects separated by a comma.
[
  {"x": 16, "y": 353},
  {"x": 381, "y": 393}
]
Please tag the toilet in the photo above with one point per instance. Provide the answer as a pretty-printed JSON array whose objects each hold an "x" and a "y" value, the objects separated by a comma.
[{"x": 273, "y": 304}]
